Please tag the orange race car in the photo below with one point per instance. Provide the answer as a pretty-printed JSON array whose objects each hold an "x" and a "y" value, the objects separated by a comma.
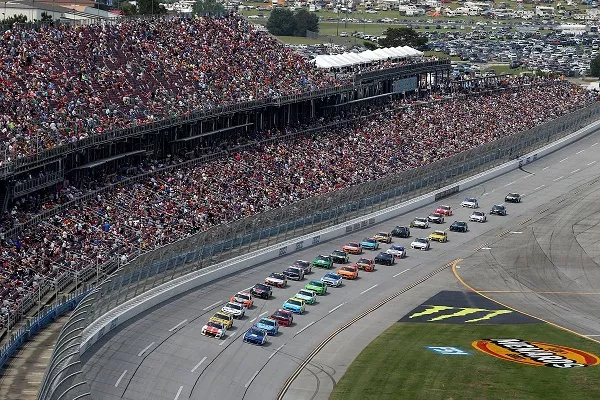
[
  {"x": 352, "y": 248},
  {"x": 366, "y": 264},
  {"x": 244, "y": 298},
  {"x": 348, "y": 272}
]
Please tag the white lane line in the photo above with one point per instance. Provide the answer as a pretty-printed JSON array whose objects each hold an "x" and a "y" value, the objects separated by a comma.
[
  {"x": 580, "y": 151},
  {"x": 539, "y": 187},
  {"x": 485, "y": 248},
  {"x": 120, "y": 378},
  {"x": 253, "y": 319},
  {"x": 592, "y": 163},
  {"x": 365, "y": 291},
  {"x": 485, "y": 194},
  {"x": 306, "y": 327},
  {"x": 508, "y": 184},
  {"x": 545, "y": 168},
  {"x": 251, "y": 379},
  {"x": 178, "y": 392},
  {"x": 528, "y": 176},
  {"x": 558, "y": 179},
  {"x": 178, "y": 325},
  {"x": 197, "y": 365},
  {"x": 336, "y": 307},
  {"x": 400, "y": 273},
  {"x": 266, "y": 312},
  {"x": 276, "y": 350},
  {"x": 592, "y": 335},
  {"x": 141, "y": 353},
  {"x": 564, "y": 159},
  {"x": 594, "y": 144},
  {"x": 577, "y": 170},
  {"x": 211, "y": 306},
  {"x": 515, "y": 232}
]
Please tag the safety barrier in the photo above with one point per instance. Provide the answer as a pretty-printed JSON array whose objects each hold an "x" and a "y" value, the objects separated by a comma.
[{"x": 154, "y": 276}]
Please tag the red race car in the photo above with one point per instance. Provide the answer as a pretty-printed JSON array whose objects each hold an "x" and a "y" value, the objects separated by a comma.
[
  {"x": 365, "y": 264},
  {"x": 285, "y": 318},
  {"x": 444, "y": 210}
]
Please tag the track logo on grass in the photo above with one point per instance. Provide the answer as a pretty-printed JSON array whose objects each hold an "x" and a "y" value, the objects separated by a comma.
[{"x": 536, "y": 353}]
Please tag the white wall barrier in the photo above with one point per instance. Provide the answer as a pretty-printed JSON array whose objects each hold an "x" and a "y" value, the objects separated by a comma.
[{"x": 162, "y": 293}]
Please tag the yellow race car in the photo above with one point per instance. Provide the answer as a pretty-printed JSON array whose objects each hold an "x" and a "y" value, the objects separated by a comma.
[
  {"x": 439, "y": 236},
  {"x": 223, "y": 319},
  {"x": 384, "y": 237}
]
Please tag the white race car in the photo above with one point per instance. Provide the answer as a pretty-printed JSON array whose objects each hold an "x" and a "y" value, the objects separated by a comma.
[
  {"x": 214, "y": 329},
  {"x": 276, "y": 279},
  {"x": 420, "y": 244},
  {"x": 470, "y": 202},
  {"x": 397, "y": 251},
  {"x": 237, "y": 310},
  {"x": 478, "y": 216},
  {"x": 420, "y": 222}
]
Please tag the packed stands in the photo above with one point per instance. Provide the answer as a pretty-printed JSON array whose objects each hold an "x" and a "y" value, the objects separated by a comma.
[{"x": 268, "y": 174}]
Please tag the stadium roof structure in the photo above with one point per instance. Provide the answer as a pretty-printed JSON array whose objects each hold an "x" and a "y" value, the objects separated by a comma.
[{"x": 365, "y": 57}]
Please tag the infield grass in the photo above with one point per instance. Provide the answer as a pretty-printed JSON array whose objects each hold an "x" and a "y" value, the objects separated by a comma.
[{"x": 396, "y": 365}]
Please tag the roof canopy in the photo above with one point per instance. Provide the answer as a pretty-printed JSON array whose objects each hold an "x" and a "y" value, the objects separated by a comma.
[{"x": 365, "y": 57}]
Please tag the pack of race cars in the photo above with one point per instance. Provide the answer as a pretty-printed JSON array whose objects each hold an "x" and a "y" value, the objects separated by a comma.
[{"x": 257, "y": 334}]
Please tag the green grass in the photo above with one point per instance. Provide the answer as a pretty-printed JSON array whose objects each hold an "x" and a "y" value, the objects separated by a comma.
[{"x": 397, "y": 366}]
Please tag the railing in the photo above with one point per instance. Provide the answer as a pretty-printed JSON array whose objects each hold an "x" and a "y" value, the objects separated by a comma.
[
  {"x": 64, "y": 379},
  {"x": 8, "y": 168}
]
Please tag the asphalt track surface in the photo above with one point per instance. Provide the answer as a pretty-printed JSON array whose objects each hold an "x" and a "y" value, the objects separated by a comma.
[{"x": 162, "y": 355}]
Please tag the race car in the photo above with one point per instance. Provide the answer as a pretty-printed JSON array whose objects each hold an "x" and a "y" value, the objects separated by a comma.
[
  {"x": 305, "y": 265},
  {"x": 244, "y": 298},
  {"x": 470, "y": 202},
  {"x": 444, "y": 210},
  {"x": 294, "y": 273},
  {"x": 318, "y": 287},
  {"x": 237, "y": 310},
  {"x": 352, "y": 248},
  {"x": 332, "y": 279},
  {"x": 498, "y": 209},
  {"x": 268, "y": 325},
  {"x": 439, "y": 236},
  {"x": 223, "y": 319},
  {"x": 420, "y": 243},
  {"x": 308, "y": 296},
  {"x": 255, "y": 336},
  {"x": 397, "y": 251},
  {"x": 513, "y": 198},
  {"x": 284, "y": 317},
  {"x": 339, "y": 257},
  {"x": 384, "y": 237},
  {"x": 385, "y": 258},
  {"x": 215, "y": 329},
  {"x": 276, "y": 279},
  {"x": 370, "y": 243},
  {"x": 365, "y": 264},
  {"x": 348, "y": 272},
  {"x": 478, "y": 216},
  {"x": 401, "y": 232},
  {"x": 261, "y": 290},
  {"x": 420, "y": 222},
  {"x": 294, "y": 305},
  {"x": 459, "y": 226},
  {"x": 436, "y": 218},
  {"x": 322, "y": 261}
]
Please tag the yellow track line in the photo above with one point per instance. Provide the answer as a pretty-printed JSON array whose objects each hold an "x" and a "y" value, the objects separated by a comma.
[{"x": 514, "y": 309}]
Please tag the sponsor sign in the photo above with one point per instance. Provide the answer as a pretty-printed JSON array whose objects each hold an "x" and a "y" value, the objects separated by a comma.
[
  {"x": 448, "y": 351},
  {"x": 536, "y": 353}
]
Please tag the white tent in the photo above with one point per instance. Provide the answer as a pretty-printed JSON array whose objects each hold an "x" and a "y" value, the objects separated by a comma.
[{"x": 365, "y": 57}]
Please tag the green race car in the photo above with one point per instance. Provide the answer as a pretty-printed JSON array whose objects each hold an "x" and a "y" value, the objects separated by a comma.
[
  {"x": 318, "y": 287},
  {"x": 322, "y": 261}
]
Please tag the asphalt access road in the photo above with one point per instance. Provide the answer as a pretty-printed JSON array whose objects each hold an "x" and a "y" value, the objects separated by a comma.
[{"x": 161, "y": 354}]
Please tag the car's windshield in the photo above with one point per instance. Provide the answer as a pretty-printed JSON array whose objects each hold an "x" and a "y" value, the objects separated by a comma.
[
  {"x": 279, "y": 314},
  {"x": 256, "y": 331},
  {"x": 305, "y": 293},
  {"x": 352, "y": 244},
  {"x": 222, "y": 316},
  {"x": 370, "y": 240},
  {"x": 471, "y": 200},
  {"x": 267, "y": 322},
  {"x": 478, "y": 213},
  {"x": 294, "y": 302},
  {"x": 301, "y": 263},
  {"x": 421, "y": 219},
  {"x": 316, "y": 283},
  {"x": 214, "y": 325},
  {"x": 364, "y": 261},
  {"x": 422, "y": 240},
  {"x": 445, "y": 207},
  {"x": 243, "y": 296},
  {"x": 395, "y": 247},
  {"x": 382, "y": 234},
  {"x": 322, "y": 258},
  {"x": 277, "y": 276},
  {"x": 234, "y": 306},
  {"x": 348, "y": 269},
  {"x": 260, "y": 286},
  {"x": 338, "y": 253},
  {"x": 332, "y": 276}
]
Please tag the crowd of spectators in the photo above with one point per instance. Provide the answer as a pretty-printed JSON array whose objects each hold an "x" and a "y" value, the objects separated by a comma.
[{"x": 176, "y": 203}]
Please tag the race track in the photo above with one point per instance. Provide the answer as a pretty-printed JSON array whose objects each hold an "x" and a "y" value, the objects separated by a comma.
[{"x": 161, "y": 354}]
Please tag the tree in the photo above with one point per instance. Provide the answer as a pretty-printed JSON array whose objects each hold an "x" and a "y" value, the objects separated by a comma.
[
  {"x": 148, "y": 7},
  {"x": 209, "y": 7},
  {"x": 15, "y": 19},
  {"x": 47, "y": 18},
  {"x": 370, "y": 45},
  {"x": 595, "y": 66},
  {"x": 281, "y": 22},
  {"x": 395, "y": 37},
  {"x": 305, "y": 21},
  {"x": 127, "y": 8}
]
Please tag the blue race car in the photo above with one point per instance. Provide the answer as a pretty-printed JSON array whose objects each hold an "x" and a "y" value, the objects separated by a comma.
[
  {"x": 269, "y": 325},
  {"x": 295, "y": 305},
  {"x": 255, "y": 336},
  {"x": 370, "y": 243},
  {"x": 332, "y": 279}
]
